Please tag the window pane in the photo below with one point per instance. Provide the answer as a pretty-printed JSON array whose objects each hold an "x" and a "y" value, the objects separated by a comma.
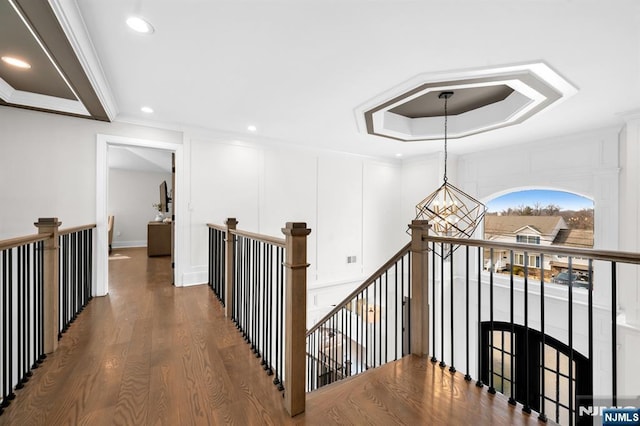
[
  {"x": 550, "y": 384},
  {"x": 550, "y": 409},
  {"x": 497, "y": 382},
  {"x": 497, "y": 339},
  {"x": 506, "y": 387},
  {"x": 497, "y": 361},
  {"x": 507, "y": 366},
  {"x": 564, "y": 364},
  {"x": 507, "y": 342},
  {"x": 550, "y": 357},
  {"x": 563, "y": 417},
  {"x": 564, "y": 391}
]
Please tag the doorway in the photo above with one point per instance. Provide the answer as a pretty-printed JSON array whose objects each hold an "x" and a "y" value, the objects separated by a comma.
[{"x": 105, "y": 143}]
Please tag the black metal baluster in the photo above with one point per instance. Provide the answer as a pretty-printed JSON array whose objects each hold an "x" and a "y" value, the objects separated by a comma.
[
  {"x": 27, "y": 311},
  {"x": 512, "y": 399},
  {"x": 442, "y": 363},
  {"x": 570, "y": 332},
  {"x": 42, "y": 355},
  {"x": 72, "y": 295},
  {"x": 269, "y": 315},
  {"x": 37, "y": 265},
  {"x": 278, "y": 343},
  {"x": 525, "y": 407},
  {"x": 239, "y": 285},
  {"x": 235, "y": 310},
  {"x": 6, "y": 327},
  {"x": 410, "y": 295},
  {"x": 281, "y": 313},
  {"x": 452, "y": 369},
  {"x": 21, "y": 320},
  {"x": 590, "y": 325},
  {"x": 366, "y": 329},
  {"x": 492, "y": 389},
  {"x": 65, "y": 283},
  {"x": 614, "y": 335},
  {"x": 467, "y": 376},
  {"x": 542, "y": 416},
  {"x": 433, "y": 302},
  {"x": 373, "y": 323},
  {"x": 386, "y": 316},
  {"x": 90, "y": 268},
  {"x": 479, "y": 381},
  {"x": 358, "y": 310},
  {"x": 398, "y": 307},
  {"x": 212, "y": 254}
]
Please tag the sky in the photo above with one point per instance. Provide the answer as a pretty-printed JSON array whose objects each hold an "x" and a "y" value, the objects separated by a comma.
[{"x": 565, "y": 200}]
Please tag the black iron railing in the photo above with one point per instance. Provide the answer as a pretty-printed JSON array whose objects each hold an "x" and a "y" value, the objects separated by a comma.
[
  {"x": 21, "y": 272},
  {"x": 76, "y": 273},
  {"x": 258, "y": 308},
  {"x": 33, "y": 291},
  {"x": 369, "y": 328},
  {"x": 522, "y": 333},
  {"x": 217, "y": 261}
]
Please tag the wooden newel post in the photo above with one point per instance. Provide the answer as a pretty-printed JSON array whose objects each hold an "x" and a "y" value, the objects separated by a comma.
[
  {"x": 419, "y": 288},
  {"x": 51, "y": 282},
  {"x": 231, "y": 223},
  {"x": 296, "y": 316}
]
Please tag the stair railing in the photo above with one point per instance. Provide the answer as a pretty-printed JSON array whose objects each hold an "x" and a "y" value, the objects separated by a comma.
[
  {"x": 382, "y": 320},
  {"x": 261, "y": 281},
  {"x": 46, "y": 279}
]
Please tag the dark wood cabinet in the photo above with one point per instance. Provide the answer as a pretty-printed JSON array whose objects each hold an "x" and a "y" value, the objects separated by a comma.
[{"x": 158, "y": 239}]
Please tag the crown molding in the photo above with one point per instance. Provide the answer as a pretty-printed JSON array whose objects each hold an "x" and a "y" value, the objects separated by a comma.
[{"x": 68, "y": 14}]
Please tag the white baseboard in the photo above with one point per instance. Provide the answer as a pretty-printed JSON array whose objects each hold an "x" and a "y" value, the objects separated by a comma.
[
  {"x": 196, "y": 276},
  {"x": 129, "y": 244}
]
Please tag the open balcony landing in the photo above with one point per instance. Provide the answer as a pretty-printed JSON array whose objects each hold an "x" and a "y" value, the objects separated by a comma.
[{"x": 152, "y": 354}]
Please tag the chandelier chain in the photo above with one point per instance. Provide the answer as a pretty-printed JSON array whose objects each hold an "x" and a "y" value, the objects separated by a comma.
[{"x": 446, "y": 99}]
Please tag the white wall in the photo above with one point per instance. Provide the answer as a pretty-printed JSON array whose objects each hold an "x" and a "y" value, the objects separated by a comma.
[
  {"x": 349, "y": 202},
  {"x": 131, "y": 198},
  {"x": 48, "y": 167}
]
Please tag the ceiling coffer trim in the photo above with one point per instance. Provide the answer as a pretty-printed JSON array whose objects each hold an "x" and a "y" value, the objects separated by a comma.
[
  {"x": 70, "y": 53},
  {"x": 535, "y": 87}
]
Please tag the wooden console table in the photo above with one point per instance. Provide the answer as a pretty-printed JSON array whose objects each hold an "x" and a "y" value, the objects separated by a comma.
[{"x": 158, "y": 239}]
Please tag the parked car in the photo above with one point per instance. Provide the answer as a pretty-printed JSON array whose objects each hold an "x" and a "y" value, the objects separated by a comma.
[{"x": 577, "y": 279}]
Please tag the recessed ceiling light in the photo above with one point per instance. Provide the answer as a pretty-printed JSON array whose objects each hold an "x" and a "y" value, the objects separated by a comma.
[
  {"x": 252, "y": 128},
  {"x": 146, "y": 109},
  {"x": 139, "y": 25},
  {"x": 19, "y": 63},
  {"x": 398, "y": 155}
]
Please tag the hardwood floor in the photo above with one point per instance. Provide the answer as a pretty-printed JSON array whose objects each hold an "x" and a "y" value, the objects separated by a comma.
[{"x": 152, "y": 354}]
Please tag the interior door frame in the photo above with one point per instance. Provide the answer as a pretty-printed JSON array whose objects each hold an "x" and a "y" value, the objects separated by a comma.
[{"x": 103, "y": 142}]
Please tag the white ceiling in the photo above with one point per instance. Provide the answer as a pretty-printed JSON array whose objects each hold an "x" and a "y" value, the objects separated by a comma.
[{"x": 298, "y": 69}]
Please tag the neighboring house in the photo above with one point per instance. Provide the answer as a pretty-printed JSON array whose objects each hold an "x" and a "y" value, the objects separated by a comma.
[{"x": 538, "y": 230}]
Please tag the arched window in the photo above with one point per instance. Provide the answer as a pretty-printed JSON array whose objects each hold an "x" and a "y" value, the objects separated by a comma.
[
  {"x": 556, "y": 377},
  {"x": 541, "y": 217}
]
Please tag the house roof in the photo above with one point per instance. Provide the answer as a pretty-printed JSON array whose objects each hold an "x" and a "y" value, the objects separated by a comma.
[
  {"x": 545, "y": 225},
  {"x": 574, "y": 238}
]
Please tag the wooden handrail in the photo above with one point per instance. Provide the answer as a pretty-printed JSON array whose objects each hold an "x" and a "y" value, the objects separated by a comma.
[
  {"x": 75, "y": 229},
  {"x": 607, "y": 255},
  {"x": 218, "y": 227},
  {"x": 21, "y": 241},
  {"x": 280, "y": 242},
  {"x": 403, "y": 251}
]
